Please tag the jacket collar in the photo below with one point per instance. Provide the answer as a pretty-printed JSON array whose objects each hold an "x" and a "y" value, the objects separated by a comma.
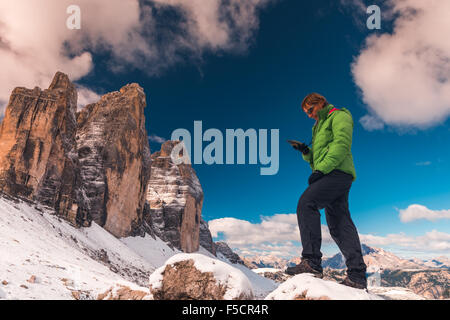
[{"x": 323, "y": 113}]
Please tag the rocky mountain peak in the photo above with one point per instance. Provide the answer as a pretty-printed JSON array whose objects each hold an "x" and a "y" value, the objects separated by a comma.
[
  {"x": 37, "y": 140},
  {"x": 62, "y": 84},
  {"x": 166, "y": 149},
  {"x": 93, "y": 165},
  {"x": 367, "y": 250},
  {"x": 223, "y": 248},
  {"x": 132, "y": 87},
  {"x": 115, "y": 159},
  {"x": 61, "y": 81},
  {"x": 175, "y": 198}
]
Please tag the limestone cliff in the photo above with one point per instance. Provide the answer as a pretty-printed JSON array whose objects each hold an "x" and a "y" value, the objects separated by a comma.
[
  {"x": 115, "y": 159},
  {"x": 175, "y": 197},
  {"x": 93, "y": 165},
  {"x": 37, "y": 146},
  {"x": 205, "y": 237}
]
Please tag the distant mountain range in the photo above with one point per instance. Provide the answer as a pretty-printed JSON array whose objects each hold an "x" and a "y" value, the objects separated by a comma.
[
  {"x": 429, "y": 279},
  {"x": 267, "y": 261},
  {"x": 376, "y": 259}
]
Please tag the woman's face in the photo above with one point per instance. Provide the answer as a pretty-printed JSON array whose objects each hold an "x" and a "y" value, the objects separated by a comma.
[{"x": 312, "y": 111}]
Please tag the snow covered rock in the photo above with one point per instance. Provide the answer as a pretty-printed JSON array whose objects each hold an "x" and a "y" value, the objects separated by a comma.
[
  {"x": 175, "y": 197},
  {"x": 124, "y": 292},
  {"x": 307, "y": 287},
  {"x": 261, "y": 286},
  {"x": 198, "y": 277}
]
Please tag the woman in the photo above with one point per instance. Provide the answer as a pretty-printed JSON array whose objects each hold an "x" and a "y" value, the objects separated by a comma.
[{"x": 331, "y": 161}]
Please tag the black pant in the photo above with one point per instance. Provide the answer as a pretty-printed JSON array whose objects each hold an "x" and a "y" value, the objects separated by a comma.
[{"x": 330, "y": 192}]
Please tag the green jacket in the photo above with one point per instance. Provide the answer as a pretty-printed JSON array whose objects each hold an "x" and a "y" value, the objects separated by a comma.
[{"x": 332, "y": 142}]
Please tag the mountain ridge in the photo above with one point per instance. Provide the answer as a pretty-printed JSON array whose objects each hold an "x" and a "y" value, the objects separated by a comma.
[{"x": 375, "y": 258}]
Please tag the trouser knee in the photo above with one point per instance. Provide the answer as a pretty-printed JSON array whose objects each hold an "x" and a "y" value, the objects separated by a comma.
[
  {"x": 304, "y": 203},
  {"x": 333, "y": 232}
]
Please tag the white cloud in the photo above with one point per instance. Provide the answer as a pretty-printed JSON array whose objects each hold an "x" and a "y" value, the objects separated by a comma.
[
  {"x": 355, "y": 4},
  {"x": 432, "y": 242},
  {"x": 417, "y": 212},
  {"x": 371, "y": 123},
  {"x": 86, "y": 96},
  {"x": 424, "y": 163},
  {"x": 35, "y": 42},
  {"x": 405, "y": 76},
  {"x": 278, "y": 236},
  {"x": 274, "y": 235},
  {"x": 156, "y": 138}
]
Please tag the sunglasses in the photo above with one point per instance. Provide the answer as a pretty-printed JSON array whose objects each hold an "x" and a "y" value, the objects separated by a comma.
[{"x": 310, "y": 110}]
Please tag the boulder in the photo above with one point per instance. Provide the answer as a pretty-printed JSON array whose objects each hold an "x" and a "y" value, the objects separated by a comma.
[{"x": 198, "y": 277}]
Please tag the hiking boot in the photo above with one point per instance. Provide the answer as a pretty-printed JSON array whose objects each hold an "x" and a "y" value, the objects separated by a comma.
[
  {"x": 303, "y": 267},
  {"x": 354, "y": 284}
]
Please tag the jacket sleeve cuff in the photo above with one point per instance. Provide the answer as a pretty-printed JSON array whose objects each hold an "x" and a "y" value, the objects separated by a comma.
[{"x": 307, "y": 157}]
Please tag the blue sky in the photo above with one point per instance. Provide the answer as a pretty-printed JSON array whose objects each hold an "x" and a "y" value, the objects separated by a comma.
[
  {"x": 255, "y": 76},
  {"x": 300, "y": 47},
  {"x": 297, "y": 51}
]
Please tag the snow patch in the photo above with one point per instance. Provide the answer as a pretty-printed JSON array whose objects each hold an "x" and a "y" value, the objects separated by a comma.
[
  {"x": 154, "y": 250},
  {"x": 261, "y": 286},
  {"x": 68, "y": 262},
  {"x": 264, "y": 270},
  {"x": 395, "y": 293},
  {"x": 316, "y": 288}
]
